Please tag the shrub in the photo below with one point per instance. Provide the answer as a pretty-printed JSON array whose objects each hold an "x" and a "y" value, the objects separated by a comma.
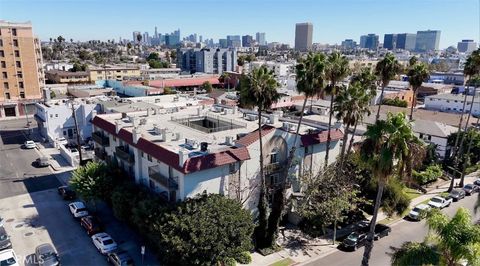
[
  {"x": 395, "y": 102},
  {"x": 431, "y": 174},
  {"x": 123, "y": 200},
  {"x": 244, "y": 257},
  {"x": 229, "y": 262},
  {"x": 395, "y": 200}
]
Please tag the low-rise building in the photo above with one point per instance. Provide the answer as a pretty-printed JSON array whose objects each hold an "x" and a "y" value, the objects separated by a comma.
[
  {"x": 107, "y": 72},
  {"x": 452, "y": 103},
  {"x": 67, "y": 77},
  {"x": 159, "y": 73}
]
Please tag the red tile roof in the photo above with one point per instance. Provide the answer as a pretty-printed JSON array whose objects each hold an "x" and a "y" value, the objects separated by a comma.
[
  {"x": 183, "y": 82},
  {"x": 251, "y": 137},
  {"x": 171, "y": 158},
  {"x": 321, "y": 137}
]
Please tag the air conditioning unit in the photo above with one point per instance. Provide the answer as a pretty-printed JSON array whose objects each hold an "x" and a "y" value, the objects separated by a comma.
[
  {"x": 157, "y": 130},
  {"x": 229, "y": 141},
  {"x": 264, "y": 120},
  {"x": 250, "y": 117}
]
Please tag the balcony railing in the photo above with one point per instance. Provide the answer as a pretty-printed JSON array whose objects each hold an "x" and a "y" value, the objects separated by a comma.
[
  {"x": 101, "y": 154},
  {"x": 101, "y": 139},
  {"x": 123, "y": 154},
  {"x": 168, "y": 182}
]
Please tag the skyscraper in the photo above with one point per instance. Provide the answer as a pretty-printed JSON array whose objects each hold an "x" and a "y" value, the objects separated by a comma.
[
  {"x": 369, "y": 41},
  {"x": 21, "y": 66},
  {"x": 427, "y": 40},
  {"x": 134, "y": 36},
  {"x": 303, "y": 36},
  {"x": 211, "y": 61},
  {"x": 466, "y": 46},
  {"x": 406, "y": 41},
  {"x": 260, "y": 38},
  {"x": 247, "y": 41},
  {"x": 349, "y": 44},
  {"x": 390, "y": 41},
  {"x": 223, "y": 43},
  {"x": 234, "y": 41}
]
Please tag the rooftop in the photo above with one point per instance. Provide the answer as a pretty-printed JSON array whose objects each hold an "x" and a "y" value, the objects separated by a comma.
[{"x": 453, "y": 97}]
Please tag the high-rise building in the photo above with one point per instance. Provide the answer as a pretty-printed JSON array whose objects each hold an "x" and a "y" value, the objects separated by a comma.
[
  {"x": 134, "y": 36},
  {"x": 303, "y": 36},
  {"x": 349, "y": 44},
  {"x": 146, "y": 38},
  {"x": 390, "y": 41},
  {"x": 247, "y": 41},
  {"x": 22, "y": 75},
  {"x": 156, "y": 33},
  {"x": 260, "y": 38},
  {"x": 466, "y": 46},
  {"x": 406, "y": 41},
  {"x": 369, "y": 41},
  {"x": 223, "y": 43},
  {"x": 206, "y": 60},
  {"x": 234, "y": 41},
  {"x": 427, "y": 40}
]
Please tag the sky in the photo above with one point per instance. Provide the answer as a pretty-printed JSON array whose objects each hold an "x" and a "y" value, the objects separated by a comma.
[{"x": 333, "y": 20}]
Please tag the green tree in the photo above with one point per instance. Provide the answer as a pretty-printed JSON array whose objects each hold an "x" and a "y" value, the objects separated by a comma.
[
  {"x": 386, "y": 69},
  {"x": 139, "y": 38},
  {"x": 336, "y": 70},
  {"x": 153, "y": 56},
  {"x": 241, "y": 60},
  {"x": 92, "y": 182},
  {"x": 386, "y": 142},
  {"x": 207, "y": 86},
  {"x": 259, "y": 89},
  {"x": 204, "y": 231},
  {"x": 417, "y": 74},
  {"x": 450, "y": 241}
]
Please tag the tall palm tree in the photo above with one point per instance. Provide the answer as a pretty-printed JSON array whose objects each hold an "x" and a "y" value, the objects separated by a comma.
[
  {"x": 259, "y": 89},
  {"x": 451, "y": 240},
  {"x": 466, "y": 157},
  {"x": 310, "y": 83},
  {"x": 386, "y": 142},
  {"x": 417, "y": 74},
  {"x": 386, "y": 70},
  {"x": 349, "y": 106},
  {"x": 336, "y": 70},
  {"x": 367, "y": 80}
]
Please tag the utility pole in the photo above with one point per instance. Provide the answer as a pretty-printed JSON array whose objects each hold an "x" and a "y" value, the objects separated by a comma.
[{"x": 79, "y": 147}]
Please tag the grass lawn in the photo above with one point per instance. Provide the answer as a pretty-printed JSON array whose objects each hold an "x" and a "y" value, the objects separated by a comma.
[
  {"x": 284, "y": 262},
  {"x": 412, "y": 193}
]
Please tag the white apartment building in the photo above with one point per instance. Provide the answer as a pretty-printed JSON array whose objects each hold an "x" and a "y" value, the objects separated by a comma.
[
  {"x": 55, "y": 120},
  {"x": 436, "y": 133},
  {"x": 212, "y": 149},
  {"x": 452, "y": 103}
]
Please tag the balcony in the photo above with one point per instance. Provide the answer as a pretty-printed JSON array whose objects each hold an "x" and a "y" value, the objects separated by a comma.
[
  {"x": 168, "y": 182},
  {"x": 123, "y": 154},
  {"x": 101, "y": 139},
  {"x": 274, "y": 168},
  {"x": 100, "y": 154}
]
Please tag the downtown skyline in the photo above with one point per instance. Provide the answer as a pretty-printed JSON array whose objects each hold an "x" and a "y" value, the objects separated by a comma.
[{"x": 349, "y": 20}]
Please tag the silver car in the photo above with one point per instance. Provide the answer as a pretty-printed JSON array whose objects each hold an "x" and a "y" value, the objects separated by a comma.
[{"x": 46, "y": 255}]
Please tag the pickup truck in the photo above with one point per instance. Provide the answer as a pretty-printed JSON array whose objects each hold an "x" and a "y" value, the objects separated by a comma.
[{"x": 439, "y": 202}]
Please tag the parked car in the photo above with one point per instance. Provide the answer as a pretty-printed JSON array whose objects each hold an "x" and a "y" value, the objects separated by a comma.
[
  {"x": 67, "y": 193},
  {"x": 104, "y": 243},
  {"x": 470, "y": 189},
  {"x": 46, "y": 255},
  {"x": 120, "y": 258},
  {"x": 78, "y": 209},
  {"x": 62, "y": 141},
  {"x": 92, "y": 224},
  {"x": 440, "y": 202},
  {"x": 457, "y": 194},
  {"x": 4, "y": 239},
  {"x": 42, "y": 162},
  {"x": 8, "y": 258},
  {"x": 29, "y": 144},
  {"x": 417, "y": 212},
  {"x": 477, "y": 182},
  {"x": 381, "y": 230},
  {"x": 354, "y": 240}
]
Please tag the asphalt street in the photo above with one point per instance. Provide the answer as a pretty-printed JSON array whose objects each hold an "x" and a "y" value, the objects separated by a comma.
[{"x": 401, "y": 232}]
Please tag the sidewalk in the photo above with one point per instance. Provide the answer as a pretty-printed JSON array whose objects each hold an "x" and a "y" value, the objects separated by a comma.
[
  {"x": 57, "y": 162},
  {"x": 299, "y": 248}
]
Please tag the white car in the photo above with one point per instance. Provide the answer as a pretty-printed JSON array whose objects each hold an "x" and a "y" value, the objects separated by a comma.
[
  {"x": 8, "y": 257},
  {"x": 415, "y": 213},
  {"x": 104, "y": 243},
  {"x": 29, "y": 144},
  {"x": 78, "y": 209},
  {"x": 439, "y": 202}
]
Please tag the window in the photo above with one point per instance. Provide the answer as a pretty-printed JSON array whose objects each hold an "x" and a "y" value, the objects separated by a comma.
[
  {"x": 64, "y": 132},
  {"x": 22, "y": 94},
  {"x": 114, "y": 138},
  {"x": 51, "y": 116},
  {"x": 17, "y": 53},
  {"x": 273, "y": 157},
  {"x": 4, "y": 75},
  {"x": 14, "y": 32},
  {"x": 15, "y": 43},
  {"x": 149, "y": 157},
  {"x": 4, "y": 64},
  {"x": 19, "y": 74},
  {"x": 7, "y": 95},
  {"x": 20, "y": 85},
  {"x": 18, "y": 64},
  {"x": 2, "y": 53},
  {"x": 142, "y": 154},
  {"x": 232, "y": 168},
  {"x": 56, "y": 115}
]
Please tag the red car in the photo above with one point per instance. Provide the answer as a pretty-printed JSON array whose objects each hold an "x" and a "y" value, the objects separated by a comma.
[{"x": 91, "y": 224}]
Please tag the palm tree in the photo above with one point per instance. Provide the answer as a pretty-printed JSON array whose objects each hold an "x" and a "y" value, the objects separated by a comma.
[
  {"x": 259, "y": 89},
  {"x": 466, "y": 157},
  {"x": 451, "y": 241},
  {"x": 367, "y": 80},
  {"x": 386, "y": 142},
  {"x": 336, "y": 70},
  {"x": 310, "y": 82},
  {"x": 350, "y": 104},
  {"x": 386, "y": 70},
  {"x": 417, "y": 74}
]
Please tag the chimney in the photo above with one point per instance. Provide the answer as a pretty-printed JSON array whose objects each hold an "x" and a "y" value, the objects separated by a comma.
[
  {"x": 117, "y": 126},
  {"x": 182, "y": 157},
  {"x": 135, "y": 135}
]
